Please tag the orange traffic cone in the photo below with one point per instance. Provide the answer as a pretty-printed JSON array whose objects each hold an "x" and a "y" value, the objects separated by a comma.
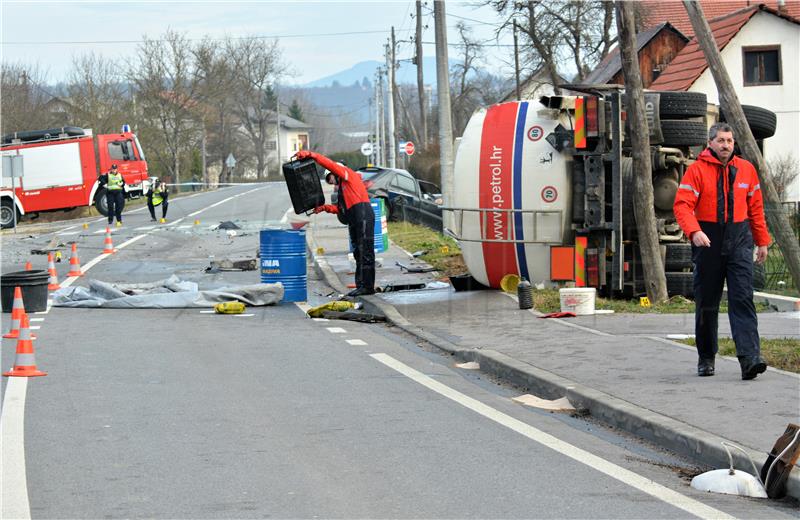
[
  {"x": 28, "y": 266},
  {"x": 109, "y": 245},
  {"x": 25, "y": 362},
  {"x": 74, "y": 263},
  {"x": 17, "y": 310},
  {"x": 52, "y": 284}
]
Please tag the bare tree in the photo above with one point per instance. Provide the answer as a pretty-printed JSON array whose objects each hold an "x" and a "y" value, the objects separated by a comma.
[
  {"x": 23, "y": 100},
  {"x": 166, "y": 84},
  {"x": 258, "y": 67},
  {"x": 98, "y": 97},
  {"x": 783, "y": 170}
]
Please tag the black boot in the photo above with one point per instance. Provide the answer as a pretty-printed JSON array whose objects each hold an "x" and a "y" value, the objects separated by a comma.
[
  {"x": 752, "y": 366},
  {"x": 705, "y": 367}
]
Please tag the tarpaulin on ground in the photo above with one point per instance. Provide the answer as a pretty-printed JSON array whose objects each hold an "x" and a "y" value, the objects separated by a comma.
[{"x": 172, "y": 293}]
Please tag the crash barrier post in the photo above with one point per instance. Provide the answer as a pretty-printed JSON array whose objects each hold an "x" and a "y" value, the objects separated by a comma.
[
  {"x": 25, "y": 361},
  {"x": 283, "y": 259},
  {"x": 74, "y": 262}
]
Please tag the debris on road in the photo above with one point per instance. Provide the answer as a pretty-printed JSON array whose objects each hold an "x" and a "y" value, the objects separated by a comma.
[
  {"x": 469, "y": 365},
  {"x": 555, "y": 405},
  {"x": 352, "y": 315},
  {"x": 559, "y": 315},
  {"x": 400, "y": 287},
  {"x": 249, "y": 264},
  {"x": 233, "y": 307},
  {"x": 227, "y": 225},
  {"x": 337, "y": 306},
  {"x": 424, "y": 268}
]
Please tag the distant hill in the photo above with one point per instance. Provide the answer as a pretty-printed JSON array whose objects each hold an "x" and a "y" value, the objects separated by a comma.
[{"x": 406, "y": 73}]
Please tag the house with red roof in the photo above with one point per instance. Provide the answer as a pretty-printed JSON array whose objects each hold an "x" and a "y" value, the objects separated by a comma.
[{"x": 760, "y": 46}]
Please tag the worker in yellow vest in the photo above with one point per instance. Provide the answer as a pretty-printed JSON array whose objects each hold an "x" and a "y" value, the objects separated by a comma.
[
  {"x": 115, "y": 193},
  {"x": 158, "y": 196}
]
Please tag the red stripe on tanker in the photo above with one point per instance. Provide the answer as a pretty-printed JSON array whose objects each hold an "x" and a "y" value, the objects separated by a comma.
[{"x": 496, "y": 189}]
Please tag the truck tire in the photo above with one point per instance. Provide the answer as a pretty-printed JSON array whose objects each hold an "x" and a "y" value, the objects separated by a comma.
[
  {"x": 100, "y": 202},
  {"x": 7, "y": 210},
  {"x": 684, "y": 133},
  {"x": 762, "y": 122},
  {"x": 682, "y": 105},
  {"x": 680, "y": 284},
  {"x": 678, "y": 257}
]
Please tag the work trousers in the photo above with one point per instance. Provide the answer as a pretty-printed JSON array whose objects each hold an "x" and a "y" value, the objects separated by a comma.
[
  {"x": 361, "y": 224},
  {"x": 728, "y": 259},
  {"x": 152, "y": 207},
  {"x": 116, "y": 201}
]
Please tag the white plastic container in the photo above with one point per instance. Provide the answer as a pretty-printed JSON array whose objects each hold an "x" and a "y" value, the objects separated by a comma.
[{"x": 579, "y": 300}]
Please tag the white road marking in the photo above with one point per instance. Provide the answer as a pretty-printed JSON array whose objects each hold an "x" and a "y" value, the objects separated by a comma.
[
  {"x": 207, "y": 312},
  {"x": 36, "y": 319},
  {"x": 145, "y": 228},
  {"x": 336, "y": 330},
  {"x": 34, "y": 327},
  {"x": 185, "y": 227},
  {"x": 358, "y": 342},
  {"x": 14, "y": 496},
  {"x": 62, "y": 234},
  {"x": 584, "y": 457},
  {"x": 320, "y": 319}
]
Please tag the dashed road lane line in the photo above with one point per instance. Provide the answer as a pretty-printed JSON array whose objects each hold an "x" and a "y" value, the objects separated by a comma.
[
  {"x": 68, "y": 233},
  {"x": 356, "y": 342},
  {"x": 36, "y": 319},
  {"x": 336, "y": 330},
  {"x": 584, "y": 457},
  {"x": 320, "y": 319}
]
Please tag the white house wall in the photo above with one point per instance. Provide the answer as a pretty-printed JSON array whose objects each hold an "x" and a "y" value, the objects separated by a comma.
[{"x": 767, "y": 29}]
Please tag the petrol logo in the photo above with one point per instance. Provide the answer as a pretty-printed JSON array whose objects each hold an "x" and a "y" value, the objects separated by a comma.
[
  {"x": 535, "y": 133},
  {"x": 549, "y": 194}
]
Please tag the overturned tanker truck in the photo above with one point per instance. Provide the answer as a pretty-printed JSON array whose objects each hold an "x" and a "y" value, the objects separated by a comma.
[{"x": 543, "y": 189}]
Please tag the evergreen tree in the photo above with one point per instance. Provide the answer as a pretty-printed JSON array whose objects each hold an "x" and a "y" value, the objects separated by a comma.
[{"x": 295, "y": 112}]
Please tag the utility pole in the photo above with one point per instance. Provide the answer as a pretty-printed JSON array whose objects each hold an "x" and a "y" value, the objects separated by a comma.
[
  {"x": 390, "y": 85},
  {"x": 203, "y": 156},
  {"x": 381, "y": 137},
  {"x": 423, "y": 113},
  {"x": 777, "y": 220},
  {"x": 445, "y": 117},
  {"x": 516, "y": 59},
  {"x": 646, "y": 230},
  {"x": 277, "y": 135}
]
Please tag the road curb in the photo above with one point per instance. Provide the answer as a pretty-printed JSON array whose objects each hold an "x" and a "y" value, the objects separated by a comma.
[{"x": 701, "y": 447}]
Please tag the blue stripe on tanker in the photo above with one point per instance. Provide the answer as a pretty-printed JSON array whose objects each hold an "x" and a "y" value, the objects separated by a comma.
[{"x": 519, "y": 234}]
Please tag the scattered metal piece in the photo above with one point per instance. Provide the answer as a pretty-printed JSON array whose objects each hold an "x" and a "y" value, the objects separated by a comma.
[
  {"x": 417, "y": 254},
  {"x": 401, "y": 287},
  {"x": 731, "y": 481},
  {"x": 249, "y": 264},
  {"x": 470, "y": 365},
  {"x": 227, "y": 225},
  {"x": 362, "y": 317},
  {"x": 416, "y": 268}
]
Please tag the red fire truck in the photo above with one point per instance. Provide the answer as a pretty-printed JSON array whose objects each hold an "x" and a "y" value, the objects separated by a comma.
[{"x": 60, "y": 170}]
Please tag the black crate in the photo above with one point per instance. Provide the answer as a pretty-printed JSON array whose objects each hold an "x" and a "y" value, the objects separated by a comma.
[{"x": 305, "y": 188}]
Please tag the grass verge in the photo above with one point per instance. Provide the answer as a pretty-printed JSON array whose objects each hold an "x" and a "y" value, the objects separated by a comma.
[{"x": 783, "y": 353}]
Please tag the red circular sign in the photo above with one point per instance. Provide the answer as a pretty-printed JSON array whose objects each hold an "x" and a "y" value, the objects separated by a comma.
[
  {"x": 409, "y": 148},
  {"x": 549, "y": 194},
  {"x": 535, "y": 133}
]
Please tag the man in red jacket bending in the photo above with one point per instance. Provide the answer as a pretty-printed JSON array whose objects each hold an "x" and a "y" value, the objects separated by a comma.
[
  {"x": 353, "y": 208},
  {"x": 719, "y": 206}
]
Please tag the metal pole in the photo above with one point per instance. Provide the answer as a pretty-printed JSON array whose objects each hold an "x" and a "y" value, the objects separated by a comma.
[
  {"x": 277, "y": 133},
  {"x": 423, "y": 114},
  {"x": 445, "y": 118},
  {"x": 390, "y": 101},
  {"x": 376, "y": 153}
]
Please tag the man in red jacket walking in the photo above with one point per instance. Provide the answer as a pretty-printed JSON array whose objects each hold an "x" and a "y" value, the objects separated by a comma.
[
  {"x": 353, "y": 208},
  {"x": 719, "y": 206}
]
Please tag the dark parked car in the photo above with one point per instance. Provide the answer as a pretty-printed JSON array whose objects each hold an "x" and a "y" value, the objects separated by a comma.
[{"x": 406, "y": 198}]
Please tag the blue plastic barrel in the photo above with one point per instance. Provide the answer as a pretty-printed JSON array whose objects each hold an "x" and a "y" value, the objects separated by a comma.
[
  {"x": 381, "y": 230},
  {"x": 283, "y": 259}
]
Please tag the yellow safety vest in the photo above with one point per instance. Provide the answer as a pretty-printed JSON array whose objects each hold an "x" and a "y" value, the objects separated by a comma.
[
  {"x": 157, "y": 198},
  {"x": 114, "y": 181}
]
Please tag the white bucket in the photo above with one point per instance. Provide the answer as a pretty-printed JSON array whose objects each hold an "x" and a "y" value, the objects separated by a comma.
[{"x": 579, "y": 300}]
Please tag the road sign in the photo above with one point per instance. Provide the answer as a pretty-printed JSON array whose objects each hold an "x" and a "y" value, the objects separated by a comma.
[
  {"x": 367, "y": 149},
  {"x": 409, "y": 148},
  {"x": 230, "y": 162}
]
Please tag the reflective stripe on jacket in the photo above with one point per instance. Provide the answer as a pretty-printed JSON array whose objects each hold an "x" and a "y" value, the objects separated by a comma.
[
  {"x": 157, "y": 198},
  {"x": 722, "y": 194}
]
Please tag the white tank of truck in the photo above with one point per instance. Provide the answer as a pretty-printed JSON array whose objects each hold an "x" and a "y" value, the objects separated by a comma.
[{"x": 513, "y": 191}]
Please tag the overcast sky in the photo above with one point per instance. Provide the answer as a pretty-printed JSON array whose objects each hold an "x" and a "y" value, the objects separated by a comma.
[{"x": 317, "y": 38}]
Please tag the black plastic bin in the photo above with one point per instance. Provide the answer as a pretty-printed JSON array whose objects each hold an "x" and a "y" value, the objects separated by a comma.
[
  {"x": 34, "y": 289},
  {"x": 305, "y": 188}
]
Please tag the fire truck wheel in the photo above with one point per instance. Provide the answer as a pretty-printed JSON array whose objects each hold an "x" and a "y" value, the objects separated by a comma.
[
  {"x": 684, "y": 133},
  {"x": 680, "y": 284},
  {"x": 678, "y": 257},
  {"x": 101, "y": 203},
  {"x": 762, "y": 122},
  {"x": 7, "y": 214},
  {"x": 681, "y": 105}
]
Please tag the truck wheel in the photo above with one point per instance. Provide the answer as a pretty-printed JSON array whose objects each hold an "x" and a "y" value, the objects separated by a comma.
[
  {"x": 100, "y": 202},
  {"x": 680, "y": 284},
  {"x": 678, "y": 257},
  {"x": 681, "y": 105},
  {"x": 7, "y": 214},
  {"x": 684, "y": 133},
  {"x": 762, "y": 122}
]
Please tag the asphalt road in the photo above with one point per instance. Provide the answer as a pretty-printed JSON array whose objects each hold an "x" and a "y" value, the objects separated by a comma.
[{"x": 181, "y": 413}]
